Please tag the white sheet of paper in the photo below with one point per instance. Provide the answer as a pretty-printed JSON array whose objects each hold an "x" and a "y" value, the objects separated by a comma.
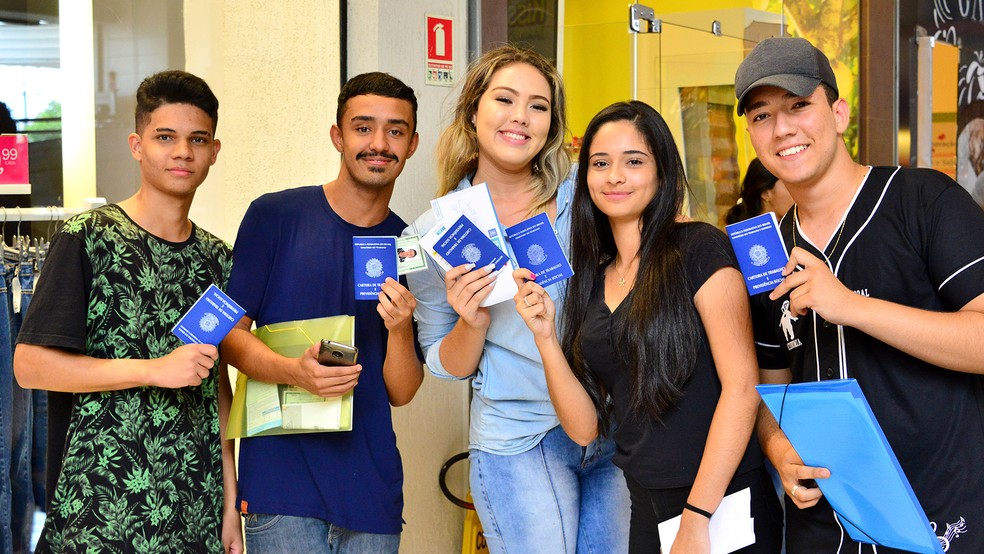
[
  {"x": 476, "y": 203},
  {"x": 732, "y": 526}
]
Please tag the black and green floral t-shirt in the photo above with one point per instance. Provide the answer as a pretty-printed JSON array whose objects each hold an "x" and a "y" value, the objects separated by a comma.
[{"x": 142, "y": 467}]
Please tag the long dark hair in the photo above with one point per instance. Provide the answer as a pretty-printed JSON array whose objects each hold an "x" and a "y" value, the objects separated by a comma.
[
  {"x": 659, "y": 337},
  {"x": 758, "y": 180}
]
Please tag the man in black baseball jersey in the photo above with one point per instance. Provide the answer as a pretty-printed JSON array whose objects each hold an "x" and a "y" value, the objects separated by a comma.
[{"x": 890, "y": 291}]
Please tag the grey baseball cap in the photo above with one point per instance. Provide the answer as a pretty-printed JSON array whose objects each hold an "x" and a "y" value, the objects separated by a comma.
[{"x": 785, "y": 62}]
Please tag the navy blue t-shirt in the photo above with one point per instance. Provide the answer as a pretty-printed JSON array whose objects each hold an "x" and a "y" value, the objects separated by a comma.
[{"x": 293, "y": 260}]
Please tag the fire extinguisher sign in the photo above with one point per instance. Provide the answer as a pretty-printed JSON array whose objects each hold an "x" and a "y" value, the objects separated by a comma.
[{"x": 440, "y": 59}]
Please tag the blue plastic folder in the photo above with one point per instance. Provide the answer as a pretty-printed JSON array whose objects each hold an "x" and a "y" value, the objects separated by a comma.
[{"x": 830, "y": 425}]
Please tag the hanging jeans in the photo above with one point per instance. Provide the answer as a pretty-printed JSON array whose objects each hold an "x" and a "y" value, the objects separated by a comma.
[
  {"x": 28, "y": 276},
  {"x": 6, "y": 410},
  {"x": 22, "y": 489}
]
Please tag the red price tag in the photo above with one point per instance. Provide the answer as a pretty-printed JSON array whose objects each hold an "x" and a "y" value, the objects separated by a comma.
[{"x": 13, "y": 161}]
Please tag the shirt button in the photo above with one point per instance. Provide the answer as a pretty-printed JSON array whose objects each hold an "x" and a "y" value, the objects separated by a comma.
[
  {"x": 830, "y": 372},
  {"x": 826, "y": 324}
]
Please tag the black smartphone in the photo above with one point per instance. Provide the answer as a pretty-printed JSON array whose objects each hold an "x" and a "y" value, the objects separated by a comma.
[{"x": 336, "y": 353}]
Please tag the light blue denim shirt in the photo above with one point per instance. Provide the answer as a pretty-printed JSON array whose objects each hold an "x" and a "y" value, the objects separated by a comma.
[{"x": 510, "y": 409}]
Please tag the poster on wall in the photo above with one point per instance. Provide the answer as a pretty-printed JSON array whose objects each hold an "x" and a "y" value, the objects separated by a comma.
[
  {"x": 961, "y": 22},
  {"x": 14, "y": 175},
  {"x": 440, "y": 51}
]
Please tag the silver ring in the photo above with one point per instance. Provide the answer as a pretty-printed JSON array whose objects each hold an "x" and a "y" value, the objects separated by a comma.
[
  {"x": 793, "y": 492},
  {"x": 526, "y": 300}
]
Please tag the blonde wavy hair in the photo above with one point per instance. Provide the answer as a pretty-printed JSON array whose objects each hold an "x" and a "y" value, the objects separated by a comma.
[{"x": 457, "y": 149}]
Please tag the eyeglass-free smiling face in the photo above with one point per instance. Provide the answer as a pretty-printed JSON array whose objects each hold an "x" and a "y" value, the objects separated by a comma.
[
  {"x": 622, "y": 172},
  {"x": 795, "y": 137},
  {"x": 513, "y": 118}
]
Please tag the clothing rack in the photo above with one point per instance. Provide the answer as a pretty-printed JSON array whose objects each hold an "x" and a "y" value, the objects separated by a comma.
[{"x": 47, "y": 213}]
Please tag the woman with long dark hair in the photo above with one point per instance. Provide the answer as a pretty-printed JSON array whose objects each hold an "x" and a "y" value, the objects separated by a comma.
[{"x": 657, "y": 338}]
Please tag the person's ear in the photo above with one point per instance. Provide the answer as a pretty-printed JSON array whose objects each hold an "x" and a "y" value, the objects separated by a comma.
[
  {"x": 842, "y": 115},
  {"x": 217, "y": 145},
  {"x": 414, "y": 141},
  {"x": 336, "y": 137},
  {"x": 136, "y": 144}
]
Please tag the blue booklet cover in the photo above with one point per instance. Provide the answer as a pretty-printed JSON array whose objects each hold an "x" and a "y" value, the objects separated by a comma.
[
  {"x": 537, "y": 248},
  {"x": 760, "y": 251},
  {"x": 374, "y": 259},
  {"x": 209, "y": 319},
  {"x": 463, "y": 243},
  {"x": 873, "y": 500}
]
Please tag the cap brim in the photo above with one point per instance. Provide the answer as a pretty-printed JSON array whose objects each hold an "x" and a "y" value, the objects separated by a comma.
[{"x": 800, "y": 85}]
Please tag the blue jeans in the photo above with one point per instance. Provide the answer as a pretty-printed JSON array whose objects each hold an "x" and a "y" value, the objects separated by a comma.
[
  {"x": 21, "y": 469},
  {"x": 558, "y": 497},
  {"x": 277, "y": 533},
  {"x": 6, "y": 412},
  {"x": 39, "y": 398}
]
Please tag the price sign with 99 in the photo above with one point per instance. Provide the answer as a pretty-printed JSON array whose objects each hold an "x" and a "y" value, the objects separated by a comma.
[{"x": 13, "y": 160}]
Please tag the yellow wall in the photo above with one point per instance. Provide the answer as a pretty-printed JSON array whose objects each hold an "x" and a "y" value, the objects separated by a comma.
[{"x": 597, "y": 61}]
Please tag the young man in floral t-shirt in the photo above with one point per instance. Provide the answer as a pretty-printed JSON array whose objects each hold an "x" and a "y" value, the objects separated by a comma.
[{"x": 143, "y": 466}]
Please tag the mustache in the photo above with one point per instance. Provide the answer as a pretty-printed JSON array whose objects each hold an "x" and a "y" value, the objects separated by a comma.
[{"x": 387, "y": 155}]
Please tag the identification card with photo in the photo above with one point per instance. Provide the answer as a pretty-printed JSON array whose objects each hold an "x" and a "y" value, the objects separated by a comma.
[{"x": 410, "y": 257}]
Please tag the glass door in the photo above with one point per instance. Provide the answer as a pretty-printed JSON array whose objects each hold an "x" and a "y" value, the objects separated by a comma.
[{"x": 685, "y": 68}]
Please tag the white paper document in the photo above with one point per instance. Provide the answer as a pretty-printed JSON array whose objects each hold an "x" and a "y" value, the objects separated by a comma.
[
  {"x": 732, "y": 526},
  {"x": 475, "y": 203}
]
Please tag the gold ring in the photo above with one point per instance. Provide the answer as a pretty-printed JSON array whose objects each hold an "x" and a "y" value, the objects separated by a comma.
[
  {"x": 793, "y": 492},
  {"x": 526, "y": 300}
]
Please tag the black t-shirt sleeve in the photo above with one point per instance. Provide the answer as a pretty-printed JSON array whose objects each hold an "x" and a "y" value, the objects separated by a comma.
[
  {"x": 951, "y": 227},
  {"x": 57, "y": 314},
  {"x": 705, "y": 250}
]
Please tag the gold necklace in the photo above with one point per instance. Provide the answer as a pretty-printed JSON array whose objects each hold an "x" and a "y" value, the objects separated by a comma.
[
  {"x": 836, "y": 241},
  {"x": 621, "y": 276}
]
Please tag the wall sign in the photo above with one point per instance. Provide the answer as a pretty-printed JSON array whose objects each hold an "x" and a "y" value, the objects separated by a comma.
[
  {"x": 440, "y": 58},
  {"x": 14, "y": 175}
]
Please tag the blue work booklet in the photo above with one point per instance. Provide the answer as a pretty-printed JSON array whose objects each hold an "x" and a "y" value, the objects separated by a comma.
[
  {"x": 374, "y": 259},
  {"x": 464, "y": 243},
  {"x": 537, "y": 249},
  {"x": 760, "y": 250},
  {"x": 209, "y": 319}
]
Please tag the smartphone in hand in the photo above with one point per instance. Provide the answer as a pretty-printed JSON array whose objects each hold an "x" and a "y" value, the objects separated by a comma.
[{"x": 336, "y": 353}]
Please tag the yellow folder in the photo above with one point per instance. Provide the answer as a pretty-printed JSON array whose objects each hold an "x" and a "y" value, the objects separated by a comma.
[{"x": 249, "y": 418}]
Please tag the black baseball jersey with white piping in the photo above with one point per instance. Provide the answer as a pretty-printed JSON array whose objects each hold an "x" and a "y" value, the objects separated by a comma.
[{"x": 912, "y": 237}]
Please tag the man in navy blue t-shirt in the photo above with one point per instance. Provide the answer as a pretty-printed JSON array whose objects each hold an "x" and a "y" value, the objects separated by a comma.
[{"x": 339, "y": 492}]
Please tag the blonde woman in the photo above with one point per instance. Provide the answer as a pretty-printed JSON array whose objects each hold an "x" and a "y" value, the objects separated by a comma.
[{"x": 535, "y": 489}]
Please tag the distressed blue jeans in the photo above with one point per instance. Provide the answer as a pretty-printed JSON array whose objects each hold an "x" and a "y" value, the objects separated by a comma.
[{"x": 557, "y": 498}]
